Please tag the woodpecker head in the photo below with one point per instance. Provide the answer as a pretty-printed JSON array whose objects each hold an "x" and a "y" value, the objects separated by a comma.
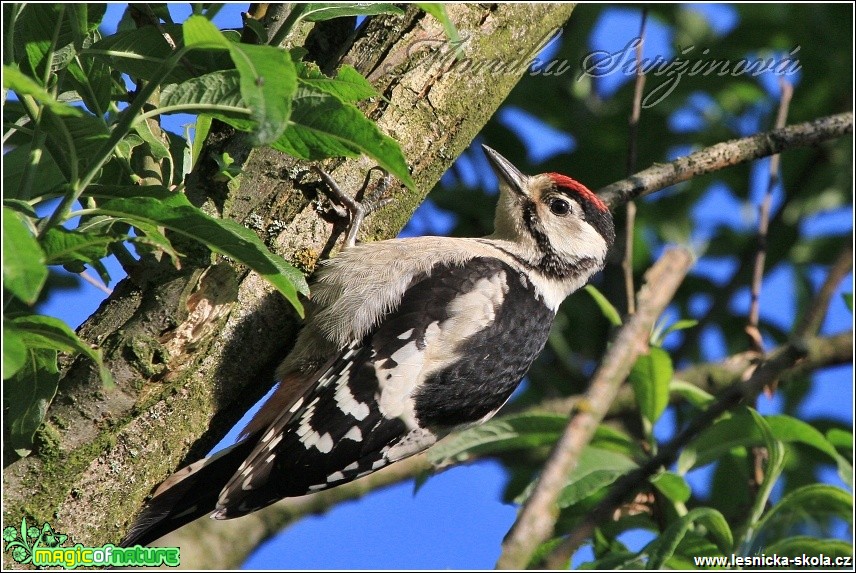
[{"x": 556, "y": 220}]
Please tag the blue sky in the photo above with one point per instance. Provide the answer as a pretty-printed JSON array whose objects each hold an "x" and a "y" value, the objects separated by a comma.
[{"x": 456, "y": 519}]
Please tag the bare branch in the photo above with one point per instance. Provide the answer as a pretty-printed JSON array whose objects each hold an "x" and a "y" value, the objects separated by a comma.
[
  {"x": 537, "y": 518},
  {"x": 726, "y": 154},
  {"x": 627, "y": 265},
  {"x": 812, "y": 320},
  {"x": 764, "y": 223}
]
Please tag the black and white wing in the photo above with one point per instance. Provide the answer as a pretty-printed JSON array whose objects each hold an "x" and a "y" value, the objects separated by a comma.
[{"x": 448, "y": 355}]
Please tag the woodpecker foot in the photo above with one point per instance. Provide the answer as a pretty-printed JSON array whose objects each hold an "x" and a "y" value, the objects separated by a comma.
[{"x": 356, "y": 208}]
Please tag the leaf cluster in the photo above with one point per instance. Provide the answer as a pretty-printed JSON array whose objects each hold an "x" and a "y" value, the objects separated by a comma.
[{"x": 89, "y": 172}]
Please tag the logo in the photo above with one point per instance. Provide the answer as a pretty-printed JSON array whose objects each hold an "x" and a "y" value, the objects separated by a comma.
[{"x": 44, "y": 547}]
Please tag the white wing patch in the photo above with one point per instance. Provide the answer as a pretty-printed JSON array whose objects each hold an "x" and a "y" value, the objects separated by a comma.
[
  {"x": 354, "y": 434},
  {"x": 309, "y": 437},
  {"x": 348, "y": 404},
  {"x": 397, "y": 383}
]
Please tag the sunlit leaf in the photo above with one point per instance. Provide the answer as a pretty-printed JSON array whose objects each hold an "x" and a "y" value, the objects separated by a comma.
[
  {"x": 672, "y": 486},
  {"x": 24, "y": 270},
  {"x": 323, "y": 126},
  {"x": 650, "y": 379},
  {"x": 220, "y": 235},
  {"x": 605, "y": 306},
  {"x": 49, "y": 333},
  {"x": 518, "y": 431}
]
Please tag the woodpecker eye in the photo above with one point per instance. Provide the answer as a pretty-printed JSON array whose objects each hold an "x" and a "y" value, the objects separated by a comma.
[{"x": 560, "y": 207}]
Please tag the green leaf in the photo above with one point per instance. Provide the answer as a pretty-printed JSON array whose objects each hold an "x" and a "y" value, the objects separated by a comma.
[
  {"x": 141, "y": 52},
  {"x": 792, "y": 430},
  {"x": 650, "y": 379},
  {"x": 348, "y": 85},
  {"x": 14, "y": 351},
  {"x": 26, "y": 397},
  {"x": 317, "y": 12},
  {"x": 840, "y": 439},
  {"x": 21, "y": 207},
  {"x": 216, "y": 92},
  {"x": 74, "y": 138},
  {"x": 682, "y": 324},
  {"x": 22, "y": 84},
  {"x": 848, "y": 300},
  {"x": 672, "y": 486},
  {"x": 801, "y": 546},
  {"x": 157, "y": 148},
  {"x": 268, "y": 78},
  {"x": 741, "y": 430},
  {"x": 220, "y": 235},
  {"x": 606, "y": 307},
  {"x": 150, "y": 237},
  {"x": 609, "y": 438},
  {"x": 518, "y": 431},
  {"x": 664, "y": 546},
  {"x": 49, "y": 333},
  {"x": 92, "y": 80},
  {"x": 200, "y": 134},
  {"x": 595, "y": 470},
  {"x": 543, "y": 550},
  {"x": 323, "y": 126},
  {"x": 691, "y": 393},
  {"x": 24, "y": 270},
  {"x": 40, "y": 23},
  {"x": 17, "y": 163},
  {"x": 63, "y": 247},
  {"x": 806, "y": 503}
]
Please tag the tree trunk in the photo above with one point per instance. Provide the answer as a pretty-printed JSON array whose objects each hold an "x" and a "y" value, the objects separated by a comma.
[{"x": 192, "y": 349}]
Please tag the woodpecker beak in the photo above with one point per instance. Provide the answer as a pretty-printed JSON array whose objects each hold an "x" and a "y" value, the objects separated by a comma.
[{"x": 506, "y": 171}]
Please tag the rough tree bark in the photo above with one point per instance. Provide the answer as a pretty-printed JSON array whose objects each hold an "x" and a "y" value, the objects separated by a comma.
[{"x": 191, "y": 349}]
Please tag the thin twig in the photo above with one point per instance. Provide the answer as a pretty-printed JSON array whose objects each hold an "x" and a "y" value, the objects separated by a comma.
[
  {"x": 812, "y": 320},
  {"x": 632, "y": 152},
  {"x": 759, "y": 454},
  {"x": 764, "y": 222},
  {"x": 537, "y": 518},
  {"x": 740, "y": 277},
  {"x": 96, "y": 283},
  {"x": 768, "y": 371},
  {"x": 724, "y": 155}
]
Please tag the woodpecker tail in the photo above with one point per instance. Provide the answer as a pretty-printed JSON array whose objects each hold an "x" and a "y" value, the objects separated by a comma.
[{"x": 187, "y": 494}]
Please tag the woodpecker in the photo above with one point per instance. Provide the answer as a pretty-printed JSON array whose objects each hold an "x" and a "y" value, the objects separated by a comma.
[{"x": 408, "y": 340}]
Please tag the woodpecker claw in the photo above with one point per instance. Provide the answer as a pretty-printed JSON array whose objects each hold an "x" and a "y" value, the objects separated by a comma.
[{"x": 356, "y": 208}]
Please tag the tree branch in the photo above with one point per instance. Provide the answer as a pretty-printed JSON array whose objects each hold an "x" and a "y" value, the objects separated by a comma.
[
  {"x": 812, "y": 320},
  {"x": 764, "y": 225},
  {"x": 537, "y": 518},
  {"x": 714, "y": 377},
  {"x": 766, "y": 373},
  {"x": 633, "y": 136},
  {"x": 724, "y": 155}
]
